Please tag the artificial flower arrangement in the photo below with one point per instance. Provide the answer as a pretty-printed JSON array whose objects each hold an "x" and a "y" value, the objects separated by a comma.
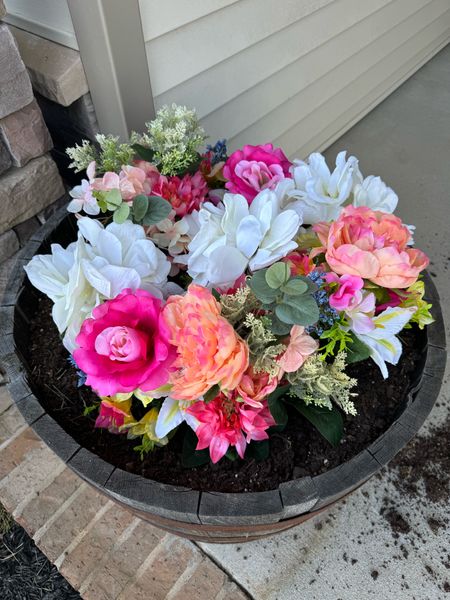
[{"x": 217, "y": 291}]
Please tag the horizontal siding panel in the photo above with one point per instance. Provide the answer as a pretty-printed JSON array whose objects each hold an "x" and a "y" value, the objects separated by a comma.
[
  {"x": 48, "y": 18},
  {"x": 336, "y": 89},
  {"x": 254, "y": 104},
  {"x": 369, "y": 89},
  {"x": 257, "y": 63},
  {"x": 159, "y": 17},
  {"x": 189, "y": 50}
]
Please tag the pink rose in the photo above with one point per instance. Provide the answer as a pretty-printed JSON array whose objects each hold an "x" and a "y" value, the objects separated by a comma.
[
  {"x": 254, "y": 387},
  {"x": 255, "y": 168},
  {"x": 372, "y": 245},
  {"x": 125, "y": 345},
  {"x": 348, "y": 290}
]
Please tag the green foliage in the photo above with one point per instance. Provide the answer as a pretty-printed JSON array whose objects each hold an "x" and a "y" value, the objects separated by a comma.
[
  {"x": 147, "y": 445},
  {"x": 263, "y": 346},
  {"x": 211, "y": 393},
  {"x": 289, "y": 298},
  {"x": 158, "y": 209},
  {"x": 143, "y": 152},
  {"x": 328, "y": 421},
  {"x": 277, "y": 407},
  {"x": 6, "y": 521},
  {"x": 190, "y": 457},
  {"x": 234, "y": 307},
  {"x": 338, "y": 337},
  {"x": 357, "y": 350},
  {"x": 308, "y": 240},
  {"x": 258, "y": 450},
  {"x": 88, "y": 409},
  {"x": 109, "y": 154},
  {"x": 122, "y": 213},
  {"x": 140, "y": 207},
  {"x": 173, "y": 137}
]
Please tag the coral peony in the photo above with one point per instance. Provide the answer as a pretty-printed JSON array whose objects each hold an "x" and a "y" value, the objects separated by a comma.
[
  {"x": 372, "y": 245},
  {"x": 125, "y": 345},
  {"x": 185, "y": 195},
  {"x": 300, "y": 346},
  {"x": 209, "y": 350},
  {"x": 255, "y": 168},
  {"x": 254, "y": 387},
  {"x": 225, "y": 422}
]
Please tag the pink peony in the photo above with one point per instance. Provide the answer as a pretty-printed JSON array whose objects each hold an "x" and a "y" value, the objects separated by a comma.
[
  {"x": 255, "y": 387},
  {"x": 130, "y": 182},
  {"x": 255, "y": 168},
  {"x": 225, "y": 422},
  {"x": 372, "y": 245},
  {"x": 185, "y": 195},
  {"x": 209, "y": 350},
  {"x": 151, "y": 175},
  {"x": 125, "y": 345},
  {"x": 348, "y": 290},
  {"x": 300, "y": 346}
]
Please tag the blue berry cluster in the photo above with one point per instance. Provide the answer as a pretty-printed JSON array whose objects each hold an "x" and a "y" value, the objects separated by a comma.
[
  {"x": 219, "y": 151},
  {"x": 328, "y": 315},
  {"x": 80, "y": 374}
]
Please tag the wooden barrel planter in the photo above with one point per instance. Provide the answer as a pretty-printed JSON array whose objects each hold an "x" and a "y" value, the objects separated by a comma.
[{"x": 205, "y": 516}]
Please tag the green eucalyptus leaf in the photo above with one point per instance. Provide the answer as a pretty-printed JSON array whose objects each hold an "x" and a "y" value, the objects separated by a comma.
[
  {"x": 328, "y": 422},
  {"x": 121, "y": 214},
  {"x": 304, "y": 312},
  {"x": 277, "y": 275},
  {"x": 295, "y": 287},
  {"x": 140, "y": 207},
  {"x": 260, "y": 288},
  {"x": 113, "y": 198},
  {"x": 143, "y": 152},
  {"x": 158, "y": 209},
  {"x": 278, "y": 327}
]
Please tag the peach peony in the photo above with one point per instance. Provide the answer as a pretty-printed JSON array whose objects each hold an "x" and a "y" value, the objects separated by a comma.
[
  {"x": 372, "y": 245},
  {"x": 209, "y": 350}
]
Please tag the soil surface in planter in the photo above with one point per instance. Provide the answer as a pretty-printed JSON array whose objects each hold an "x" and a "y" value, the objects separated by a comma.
[{"x": 297, "y": 451}]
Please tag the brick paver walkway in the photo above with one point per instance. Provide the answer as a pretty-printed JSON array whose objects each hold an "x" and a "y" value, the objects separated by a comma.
[{"x": 103, "y": 550}]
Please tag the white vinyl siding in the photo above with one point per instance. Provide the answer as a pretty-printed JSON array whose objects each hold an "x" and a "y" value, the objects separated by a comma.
[
  {"x": 49, "y": 19},
  {"x": 297, "y": 72}
]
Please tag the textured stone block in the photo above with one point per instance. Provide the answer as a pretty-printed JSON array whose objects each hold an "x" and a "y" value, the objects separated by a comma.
[
  {"x": 2, "y": 9},
  {"x": 25, "y": 134},
  {"x": 15, "y": 85},
  {"x": 9, "y": 244},
  {"x": 5, "y": 158},
  {"x": 26, "y": 191},
  {"x": 26, "y": 229},
  {"x": 55, "y": 71}
]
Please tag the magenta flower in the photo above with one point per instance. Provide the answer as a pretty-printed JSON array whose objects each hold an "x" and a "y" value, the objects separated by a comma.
[
  {"x": 348, "y": 292},
  {"x": 255, "y": 168},
  {"x": 125, "y": 345},
  {"x": 225, "y": 422},
  {"x": 185, "y": 195}
]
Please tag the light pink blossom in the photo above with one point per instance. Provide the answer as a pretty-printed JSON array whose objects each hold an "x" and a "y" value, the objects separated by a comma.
[{"x": 300, "y": 346}]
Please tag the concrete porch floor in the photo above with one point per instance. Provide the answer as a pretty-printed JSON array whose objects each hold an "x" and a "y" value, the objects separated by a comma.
[
  {"x": 380, "y": 543},
  {"x": 354, "y": 552}
]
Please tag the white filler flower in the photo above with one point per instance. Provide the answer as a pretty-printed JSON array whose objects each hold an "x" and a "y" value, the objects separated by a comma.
[
  {"x": 233, "y": 236},
  {"x": 98, "y": 266}
]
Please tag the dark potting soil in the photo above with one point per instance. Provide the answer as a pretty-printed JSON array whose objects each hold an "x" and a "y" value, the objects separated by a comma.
[{"x": 297, "y": 451}]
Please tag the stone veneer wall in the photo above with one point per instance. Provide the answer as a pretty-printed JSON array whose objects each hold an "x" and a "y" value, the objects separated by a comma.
[{"x": 29, "y": 180}]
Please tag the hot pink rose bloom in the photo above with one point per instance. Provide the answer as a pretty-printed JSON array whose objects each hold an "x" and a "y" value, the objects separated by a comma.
[
  {"x": 255, "y": 387},
  {"x": 300, "y": 346},
  {"x": 125, "y": 345},
  {"x": 225, "y": 422},
  {"x": 185, "y": 195},
  {"x": 209, "y": 351},
  {"x": 130, "y": 182},
  {"x": 255, "y": 168},
  {"x": 372, "y": 245},
  {"x": 348, "y": 290}
]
